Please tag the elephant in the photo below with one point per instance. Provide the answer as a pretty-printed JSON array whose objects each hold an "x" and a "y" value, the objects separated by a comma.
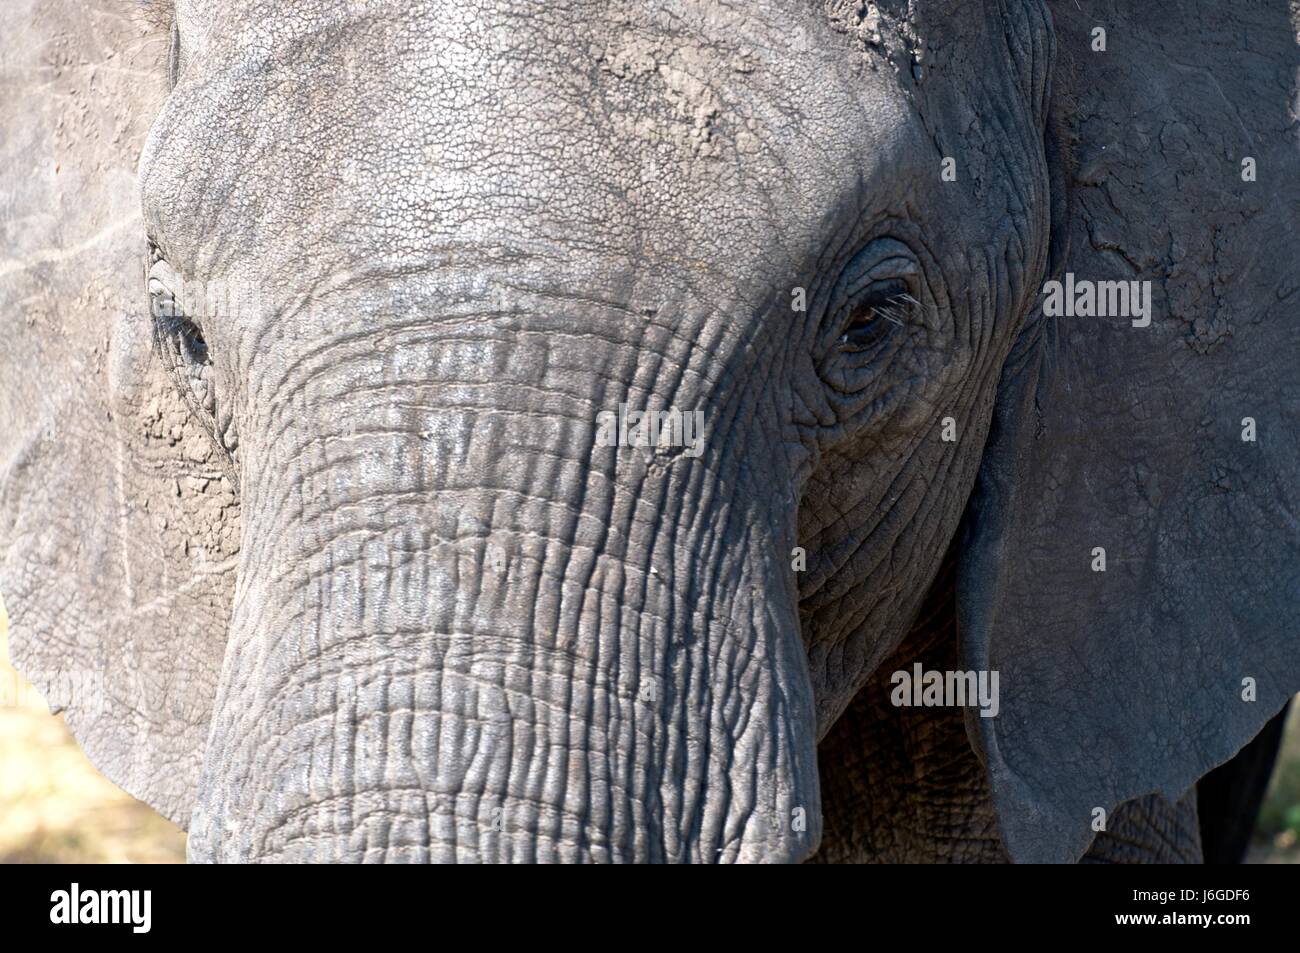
[{"x": 350, "y": 351}]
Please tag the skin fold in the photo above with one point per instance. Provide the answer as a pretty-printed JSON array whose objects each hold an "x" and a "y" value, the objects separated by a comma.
[{"x": 344, "y": 572}]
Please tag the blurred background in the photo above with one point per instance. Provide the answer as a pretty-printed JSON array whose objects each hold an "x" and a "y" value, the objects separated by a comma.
[{"x": 56, "y": 808}]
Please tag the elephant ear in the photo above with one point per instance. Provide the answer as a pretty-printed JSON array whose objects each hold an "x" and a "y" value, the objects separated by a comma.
[
  {"x": 1172, "y": 448},
  {"x": 119, "y": 532}
]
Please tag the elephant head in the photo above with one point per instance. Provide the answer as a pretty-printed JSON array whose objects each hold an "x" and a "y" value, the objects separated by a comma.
[{"x": 355, "y": 553}]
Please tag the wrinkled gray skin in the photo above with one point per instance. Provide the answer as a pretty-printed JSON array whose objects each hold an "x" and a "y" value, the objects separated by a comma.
[{"x": 357, "y": 583}]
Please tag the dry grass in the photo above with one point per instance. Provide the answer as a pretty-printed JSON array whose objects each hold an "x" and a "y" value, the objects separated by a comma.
[{"x": 1277, "y": 835}]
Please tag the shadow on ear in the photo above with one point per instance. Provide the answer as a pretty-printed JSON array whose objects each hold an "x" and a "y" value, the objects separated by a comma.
[
  {"x": 1131, "y": 552},
  {"x": 119, "y": 531}
]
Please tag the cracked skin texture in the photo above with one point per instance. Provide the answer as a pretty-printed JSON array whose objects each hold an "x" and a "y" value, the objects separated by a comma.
[{"x": 435, "y": 622}]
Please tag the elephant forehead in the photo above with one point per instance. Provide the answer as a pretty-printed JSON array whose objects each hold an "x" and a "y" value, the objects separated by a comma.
[{"x": 651, "y": 129}]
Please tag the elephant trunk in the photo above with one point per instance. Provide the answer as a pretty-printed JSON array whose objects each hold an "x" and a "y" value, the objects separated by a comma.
[{"x": 465, "y": 630}]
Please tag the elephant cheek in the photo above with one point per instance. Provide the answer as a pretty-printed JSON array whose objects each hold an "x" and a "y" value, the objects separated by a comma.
[{"x": 435, "y": 657}]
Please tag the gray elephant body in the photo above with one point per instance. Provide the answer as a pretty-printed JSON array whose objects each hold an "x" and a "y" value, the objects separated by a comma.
[{"x": 353, "y": 571}]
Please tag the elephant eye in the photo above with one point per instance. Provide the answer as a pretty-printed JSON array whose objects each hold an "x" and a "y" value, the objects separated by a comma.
[
  {"x": 183, "y": 349},
  {"x": 181, "y": 331},
  {"x": 881, "y": 332},
  {"x": 883, "y": 306},
  {"x": 179, "y": 337}
]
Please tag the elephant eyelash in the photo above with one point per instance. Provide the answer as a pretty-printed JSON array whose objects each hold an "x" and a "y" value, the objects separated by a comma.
[
  {"x": 897, "y": 308},
  {"x": 157, "y": 12},
  {"x": 158, "y": 15}
]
